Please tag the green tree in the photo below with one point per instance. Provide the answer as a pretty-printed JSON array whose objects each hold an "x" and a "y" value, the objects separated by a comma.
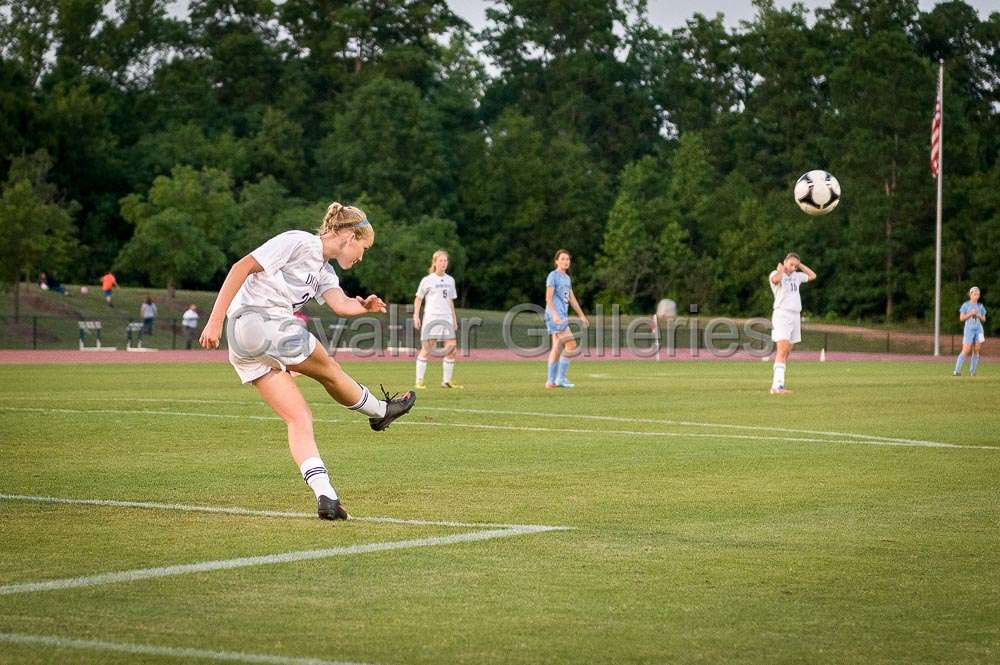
[
  {"x": 386, "y": 143},
  {"x": 630, "y": 267},
  {"x": 181, "y": 228},
  {"x": 36, "y": 230},
  {"x": 168, "y": 248},
  {"x": 407, "y": 247},
  {"x": 530, "y": 195},
  {"x": 266, "y": 210},
  {"x": 277, "y": 149},
  {"x": 883, "y": 93}
]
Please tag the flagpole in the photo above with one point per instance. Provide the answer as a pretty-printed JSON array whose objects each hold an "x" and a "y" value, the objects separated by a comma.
[{"x": 937, "y": 243}]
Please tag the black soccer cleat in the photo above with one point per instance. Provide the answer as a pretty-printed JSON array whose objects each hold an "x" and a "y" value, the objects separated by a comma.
[
  {"x": 394, "y": 408},
  {"x": 330, "y": 509}
]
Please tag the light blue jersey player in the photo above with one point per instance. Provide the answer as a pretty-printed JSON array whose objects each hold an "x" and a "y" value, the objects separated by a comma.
[
  {"x": 972, "y": 313},
  {"x": 558, "y": 299}
]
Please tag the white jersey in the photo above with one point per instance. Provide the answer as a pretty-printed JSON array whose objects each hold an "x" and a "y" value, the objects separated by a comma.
[
  {"x": 786, "y": 292},
  {"x": 189, "y": 319},
  {"x": 437, "y": 294},
  {"x": 294, "y": 271}
]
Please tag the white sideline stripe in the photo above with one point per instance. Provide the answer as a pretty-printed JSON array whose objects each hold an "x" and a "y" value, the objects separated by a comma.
[
  {"x": 171, "y": 652},
  {"x": 545, "y": 414},
  {"x": 688, "y": 423},
  {"x": 223, "y": 510},
  {"x": 858, "y": 439},
  {"x": 263, "y": 560}
]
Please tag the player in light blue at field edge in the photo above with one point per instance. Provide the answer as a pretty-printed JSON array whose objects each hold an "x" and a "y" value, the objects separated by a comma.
[
  {"x": 973, "y": 314},
  {"x": 558, "y": 298}
]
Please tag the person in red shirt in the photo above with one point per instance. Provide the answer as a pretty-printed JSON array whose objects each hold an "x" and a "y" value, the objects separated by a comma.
[{"x": 108, "y": 284}]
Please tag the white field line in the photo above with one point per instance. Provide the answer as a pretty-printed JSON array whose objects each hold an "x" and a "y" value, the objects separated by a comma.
[
  {"x": 857, "y": 439},
  {"x": 688, "y": 423},
  {"x": 263, "y": 560},
  {"x": 168, "y": 652},
  {"x": 225, "y": 510},
  {"x": 574, "y": 416}
]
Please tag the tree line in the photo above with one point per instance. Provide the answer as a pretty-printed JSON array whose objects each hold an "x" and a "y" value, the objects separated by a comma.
[{"x": 166, "y": 147}]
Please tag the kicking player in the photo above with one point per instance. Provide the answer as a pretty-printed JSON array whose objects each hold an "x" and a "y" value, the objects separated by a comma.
[
  {"x": 440, "y": 322},
  {"x": 786, "y": 319},
  {"x": 972, "y": 313},
  {"x": 558, "y": 298},
  {"x": 266, "y": 342}
]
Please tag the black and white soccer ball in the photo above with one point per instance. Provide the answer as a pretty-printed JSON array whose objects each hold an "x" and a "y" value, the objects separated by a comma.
[{"x": 817, "y": 192}]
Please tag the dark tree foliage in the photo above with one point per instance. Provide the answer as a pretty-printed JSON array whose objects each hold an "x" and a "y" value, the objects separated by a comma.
[{"x": 663, "y": 160}]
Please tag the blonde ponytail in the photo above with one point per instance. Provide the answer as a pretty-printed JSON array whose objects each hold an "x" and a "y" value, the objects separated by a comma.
[{"x": 339, "y": 217}]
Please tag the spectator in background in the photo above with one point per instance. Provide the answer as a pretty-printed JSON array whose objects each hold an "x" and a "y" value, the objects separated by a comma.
[
  {"x": 148, "y": 312},
  {"x": 189, "y": 322},
  {"x": 108, "y": 284},
  {"x": 49, "y": 283}
]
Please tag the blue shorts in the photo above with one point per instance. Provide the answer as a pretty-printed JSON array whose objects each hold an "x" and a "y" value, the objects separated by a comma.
[
  {"x": 107, "y": 293},
  {"x": 554, "y": 329},
  {"x": 973, "y": 337}
]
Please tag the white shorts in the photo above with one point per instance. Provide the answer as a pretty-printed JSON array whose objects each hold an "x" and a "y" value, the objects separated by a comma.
[
  {"x": 259, "y": 342},
  {"x": 437, "y": 330},
  {"x": 786, "y": 326}
]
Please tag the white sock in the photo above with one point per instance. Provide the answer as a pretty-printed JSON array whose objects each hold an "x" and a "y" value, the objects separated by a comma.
[
  {"x": 369, "y": 405},
  {"x": 449, "y": 370},
  {"x": 779, "y": 376},
  {"x": 421, "y": 369},
  {"x": 315, "y": 475}
]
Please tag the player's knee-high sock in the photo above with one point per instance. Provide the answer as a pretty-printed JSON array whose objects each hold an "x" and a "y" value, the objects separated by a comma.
[
  {"x": 421, "y": 369},
  {"x": 448, "y": 369},
  {"x": 959, "y": 362},
  {"x": 553, "y": 368},
  {"x": 974, "y": 364},
  {"x": 563, "y": 367},
  {"x": 369, "y": 405},
  {"x": 779, "y": 376},
  {"x": 315, "y": 475}
]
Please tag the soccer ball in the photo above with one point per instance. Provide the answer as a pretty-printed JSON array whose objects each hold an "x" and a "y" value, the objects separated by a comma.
[
  {"x": 84, "y": 290},
  {"x": 817, "y": 192}
]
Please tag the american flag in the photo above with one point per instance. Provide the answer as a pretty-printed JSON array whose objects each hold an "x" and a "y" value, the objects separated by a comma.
[{"x": 936, "y": 132}]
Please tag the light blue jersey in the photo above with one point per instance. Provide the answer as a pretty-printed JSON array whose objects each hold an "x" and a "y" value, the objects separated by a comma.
[
  {"x": 973, "y": 326},
  {"x": 562, "y": 286}
]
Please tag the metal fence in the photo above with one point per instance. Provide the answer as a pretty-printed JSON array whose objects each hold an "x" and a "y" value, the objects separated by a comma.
[{"x": 488, "y": 331}]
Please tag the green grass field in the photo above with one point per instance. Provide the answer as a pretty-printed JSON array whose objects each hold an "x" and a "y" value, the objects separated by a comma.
[{"x": 697, "y": 531}]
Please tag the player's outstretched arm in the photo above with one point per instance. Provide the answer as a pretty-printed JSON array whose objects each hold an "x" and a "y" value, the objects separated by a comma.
[
  {"x": 234, "y": 280},
  {"x": 808, "y": 271},
  {"x": 777, "y": 273},
  {"x": 550, "y": 304},
  {"x": 342, "y": 305},
  {"x": 417, "y": 302}
]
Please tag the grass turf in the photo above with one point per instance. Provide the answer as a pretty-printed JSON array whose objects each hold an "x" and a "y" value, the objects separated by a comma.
[{"x": 687, "y": 543}]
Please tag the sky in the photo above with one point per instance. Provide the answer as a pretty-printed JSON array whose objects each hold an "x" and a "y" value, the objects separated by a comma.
[
  {"x": 667, "y": 14},
  {"x": 670, "y": 14}
]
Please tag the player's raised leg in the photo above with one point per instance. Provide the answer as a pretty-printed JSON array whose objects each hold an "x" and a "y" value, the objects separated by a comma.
[
  {"x": 348, "y": 392},
  {"x": 279, "y": 391}
]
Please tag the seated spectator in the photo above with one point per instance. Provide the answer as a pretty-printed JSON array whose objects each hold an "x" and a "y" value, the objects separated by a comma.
[{"x": 49, "y": 283}]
